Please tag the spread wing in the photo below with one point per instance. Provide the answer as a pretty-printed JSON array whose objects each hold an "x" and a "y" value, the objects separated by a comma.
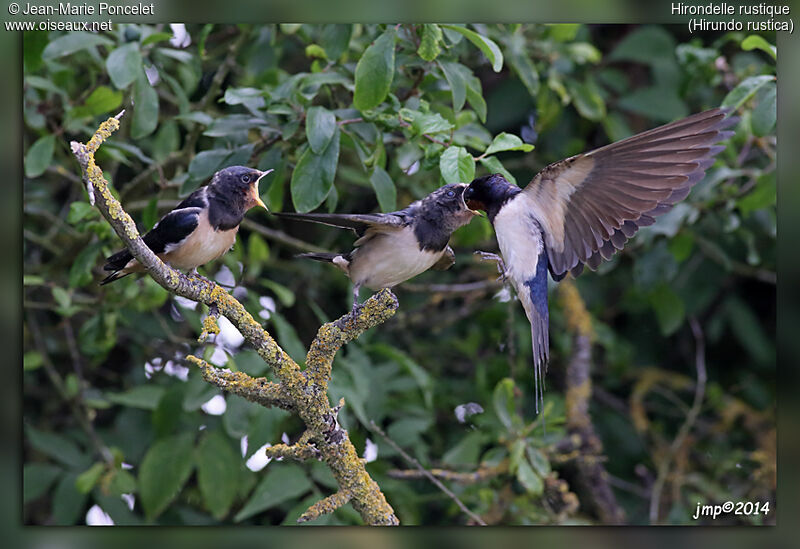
[
  {"x": 359, "y": 223},
  {"x": 589, "y": 205}
]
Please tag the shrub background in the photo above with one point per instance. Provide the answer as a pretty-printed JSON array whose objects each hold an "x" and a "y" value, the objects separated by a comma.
[{"x": 365, "y": 118}]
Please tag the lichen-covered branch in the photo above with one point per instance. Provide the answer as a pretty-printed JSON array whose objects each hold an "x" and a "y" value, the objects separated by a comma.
[
  {"x": 258, "y": 390},
  {"x": 325, "y": 506},
  {"x": 304, "y": 392},
  {"x": 299, "y": 452},
  {"x": 582, "y": 444}
]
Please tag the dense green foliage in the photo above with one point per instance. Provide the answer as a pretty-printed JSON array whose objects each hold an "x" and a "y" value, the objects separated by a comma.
[{"x": 359, "y": 118}]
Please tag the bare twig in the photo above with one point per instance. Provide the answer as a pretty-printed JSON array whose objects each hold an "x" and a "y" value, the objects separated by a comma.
[
  {"x": 691, "y": 417},
  {"x": 478, "y": 520}
]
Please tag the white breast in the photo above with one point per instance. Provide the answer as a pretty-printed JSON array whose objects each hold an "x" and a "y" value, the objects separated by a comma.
[
  {"x": 203, "y": 245},
  {"x": 389, "y": 258},
  {"x": 519, "y": 238}
]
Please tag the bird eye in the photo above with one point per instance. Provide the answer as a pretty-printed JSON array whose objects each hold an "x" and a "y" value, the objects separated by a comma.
[
  {"x": 246, "y": 178},
  {"x": 451, "y": 194}
]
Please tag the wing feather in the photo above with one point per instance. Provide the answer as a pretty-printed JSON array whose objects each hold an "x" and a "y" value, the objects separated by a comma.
[{"x": 590, "y": 204}]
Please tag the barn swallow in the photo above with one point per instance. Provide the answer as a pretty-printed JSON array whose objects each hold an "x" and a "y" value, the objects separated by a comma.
[
  {"x": 393, "y": 247},
  {"x": 201, "y": 228},
  {"x": 581, "y": 210}
]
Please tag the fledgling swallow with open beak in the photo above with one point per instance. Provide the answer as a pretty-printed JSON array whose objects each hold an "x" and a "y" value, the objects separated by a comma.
[
  {"x": 201, "y": 228},
  {"x": 393, "y": 247},
  {"x": 581, "y": 210}
]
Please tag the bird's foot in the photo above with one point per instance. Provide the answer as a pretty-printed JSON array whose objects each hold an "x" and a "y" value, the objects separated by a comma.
[
  {"x": 501, "y": 265},
  {"x": 193, "y": 273}
]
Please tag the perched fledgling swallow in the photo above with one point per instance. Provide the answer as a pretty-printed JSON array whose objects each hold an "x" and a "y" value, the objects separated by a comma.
[
  {"x": 581, "y": 210},
  {"x": 201, "y": 228},
  {"x": 393, "y": 247}
]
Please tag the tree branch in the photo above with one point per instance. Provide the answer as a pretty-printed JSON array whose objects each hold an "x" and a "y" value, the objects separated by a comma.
[
  {"x": 590, "y": 476},
  {"x": 303, "y": 392}
]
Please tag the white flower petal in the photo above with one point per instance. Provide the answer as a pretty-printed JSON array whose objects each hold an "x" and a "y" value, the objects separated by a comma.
[
  {"x": 180, "y": 38},
  {"x": 216, "y": 406},
  {"x": 130, "y": 500},
  {"x": 370, "y": 451},
  {"x": 259, "y": 459},
  {"x": 95, "y": 516}
]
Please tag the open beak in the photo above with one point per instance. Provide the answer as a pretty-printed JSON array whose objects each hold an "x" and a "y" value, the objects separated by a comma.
[
  {"x": 472, "y": 205},
  {"x": 256, "y": 196}
]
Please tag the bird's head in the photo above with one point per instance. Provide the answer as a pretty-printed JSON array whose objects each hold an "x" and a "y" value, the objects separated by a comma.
[
  {"x": 447, "y": 203},
  {"x": 240, "y": 182},
  {"x": 488, "y": 193}
]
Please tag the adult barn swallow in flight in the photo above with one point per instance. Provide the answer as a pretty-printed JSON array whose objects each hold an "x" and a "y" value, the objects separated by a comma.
[
  {"x": 581, "y": 210},
  {"x": 201, "y": 228},
  {"x": 393, "y": 247}
]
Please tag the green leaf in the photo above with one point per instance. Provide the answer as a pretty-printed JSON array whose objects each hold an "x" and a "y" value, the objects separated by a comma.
[
  {"x": 492, "y": 164},
  {"x": 39, "y": 156},
  {"x": 124, "y": 65},
  {"x": 32, "y": 360},
  {"x": 429, "y": 44},
  {"x": 80, "y": 273},
  {"x": 103, "y": 99},
  {"x": 456, "y": 75},
  {"x": 164, "y": 470},
  {"x": 669, "y": 309},
  {"x": 86, "y": 480},
  {"x": 645, "y": 44},
  {"x": 145, "y": 397},
  {"x": 429, "y": 123},
  {"x": 150, "y": 214},
  {"x": 374, "y": 72},
  {"x": 504, "y": 406},
  {"x": 765, "y": 113},
  {"x": 72, "y": 42},
  {"x": 657, "y": 102},
  {"x": 217, "y": 473},
  {"x": 762, "y": 195},
  {"x": 587, "y": 99},
  {"x": 745, "y": 90},
  {"x": 37, "y": 478},
  {"x": 122, "y": 482},
  {"x": 486, "y": 45},
  {"x": 537, "y": 460},
  {"x": 384, "y": 189},
  {"x": 507, "y": 142},
  {"x": 156, "y": 37},
  {"x": 529, "y": 479},
  {"x": 205, "y": 163},
  {"x": 313, "y": 176},
  {"x": 563, "y": 32},
  {"x": 475, "y": 97},
  {"x": 522, "y": 65},
  {"x": 57, "y": 447},
  {"x": 252, "y": 98},
  {"x": 257, "y": 248},
  {"x": 282, "y": 483},
  {"x": 33, "y": 44},
  {"x": 320, "y": 127},
  {"x": 284, "y": 294},
  {"x": 457, "y": 165},
  {"x": 335, "y": 39},
  {"x": 755, "y": 41},
  {"x": 68, "y": 503},
  {"x": 145, "y": 108}
]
